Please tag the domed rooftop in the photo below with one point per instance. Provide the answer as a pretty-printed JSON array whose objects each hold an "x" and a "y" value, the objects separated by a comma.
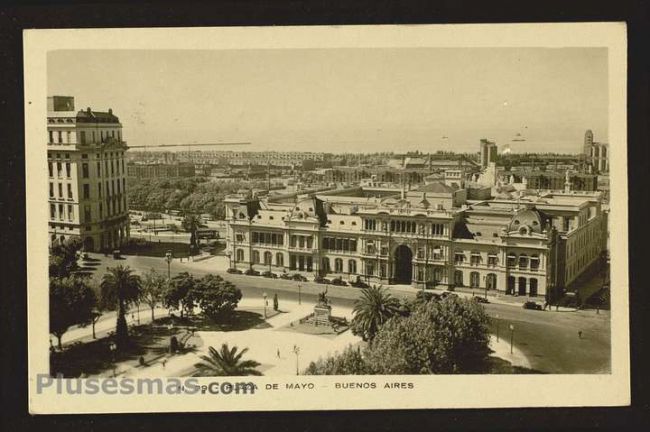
[
  {"x": 309, "y": 208},
  {"x": 527, "y": 221}
]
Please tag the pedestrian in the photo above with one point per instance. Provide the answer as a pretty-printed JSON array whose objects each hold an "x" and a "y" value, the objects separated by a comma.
[
  {"x": 579, "y": 334},
  {"x": 164, "y": 362},
  {"x": 278, "y": 352}
]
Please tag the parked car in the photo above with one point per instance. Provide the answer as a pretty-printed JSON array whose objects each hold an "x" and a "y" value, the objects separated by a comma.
[
  {"x": 234, "y": 270},
  {"x": 446, "y": 294},
  {"x": 116, "y": 254},
  {"x": 532, "y": 305},
  {"x": 480, "y": 299},
  {"x": 251, "y": 272},
  {"x": 359, "y": 284},
  {"x": 285, "y": 276},
  {"x": 321, "y": 280},
  {"x": 339, "y": 282},
  {"x": 298, "y": 277},
  {"x": 270, "y": 275}
]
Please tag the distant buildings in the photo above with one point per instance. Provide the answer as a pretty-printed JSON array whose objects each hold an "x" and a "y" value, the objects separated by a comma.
[
  {"x": 596, "y": 155},
  {"x": 488, "y": 152},
  {"x": 86, "y": 176},
  {"x": 147, "y": 171}
]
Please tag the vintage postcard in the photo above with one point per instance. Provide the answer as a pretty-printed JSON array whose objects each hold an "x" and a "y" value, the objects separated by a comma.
[{"x": 327, "y": 218}]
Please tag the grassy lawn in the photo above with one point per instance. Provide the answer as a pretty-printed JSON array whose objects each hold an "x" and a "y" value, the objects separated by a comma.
[
  {"x": 302, "y": 326},
  {"x": 151, "y": 342}
]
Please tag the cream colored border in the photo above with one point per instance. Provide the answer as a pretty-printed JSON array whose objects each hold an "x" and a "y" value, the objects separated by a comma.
[{"x": 430, "y": 391}]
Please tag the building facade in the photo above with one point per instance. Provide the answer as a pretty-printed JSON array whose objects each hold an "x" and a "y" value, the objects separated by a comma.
[
  {"x": 147, "y": 171},
  {"x": 516, "y": 247},
  {"x": 488, "y": 151},
  {"x": 86, "y": 176},
  {"x": 595, "y": 154}
]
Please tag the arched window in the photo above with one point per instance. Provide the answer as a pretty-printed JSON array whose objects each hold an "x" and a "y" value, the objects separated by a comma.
[
  {"x": 326, "y": 265},
  {"x": 437, "y": 274},
  {"x": 239, "y": 256},
  {"x": 474, "y": 280},
  {"x": 279, "y": 259},
  {"x": 338, "y": 265},
  {"x": 533, "y": 287},
  {"x": 521, "y": 285},
  {"x": 352, "y": 266},
  {"x": 491, "y": 281},
  {"x": 458, "y": 278},
  {"x": 256, "y": 257},
  {"x": 534, "y": 262},
  {"x": 523, "y": 261},
  {"x": 268, "y": 258}
]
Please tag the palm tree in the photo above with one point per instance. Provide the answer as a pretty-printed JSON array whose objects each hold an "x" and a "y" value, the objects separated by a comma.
[
  {"x": 119, "y": 289},
  {"x": 191, "y": 223},
  {"x": 226, "y": 362},
  {"x": 371, "y": 310}
]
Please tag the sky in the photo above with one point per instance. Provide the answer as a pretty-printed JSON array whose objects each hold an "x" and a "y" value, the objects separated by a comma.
[{"x": 345, "y": 100}]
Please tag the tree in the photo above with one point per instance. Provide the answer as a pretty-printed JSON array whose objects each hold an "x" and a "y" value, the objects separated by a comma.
[
  {"x": 349, "y": 362},
  {"x": 215, "y": 296},
  {"x": 119, "y": 289},
  {"x": 371, "y": 310},
  {"x": 153, "y": 289},
  {"x": 191, "y": 224},
  {"x": 63, "y": 257},
  {"x": 226, "y": 362},
  {"x": 71, "y": 303},
  {"x": 450, "y": 336},
  {"x": 180, "y": 293}
]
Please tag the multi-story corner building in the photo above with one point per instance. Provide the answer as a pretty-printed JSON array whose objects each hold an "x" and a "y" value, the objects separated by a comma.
[
  {"x": 87, "y": 176},
  {"x": 532, "y": 246}
]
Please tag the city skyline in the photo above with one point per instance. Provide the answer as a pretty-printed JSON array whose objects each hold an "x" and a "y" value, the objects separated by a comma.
[{"x": 353, "y": 100}]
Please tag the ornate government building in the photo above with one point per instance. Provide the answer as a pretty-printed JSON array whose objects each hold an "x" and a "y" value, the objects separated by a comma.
[{"x": 535, "y": 245}]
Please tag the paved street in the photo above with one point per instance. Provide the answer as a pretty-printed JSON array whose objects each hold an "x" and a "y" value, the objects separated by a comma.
[{"x": 549, "y": 339}]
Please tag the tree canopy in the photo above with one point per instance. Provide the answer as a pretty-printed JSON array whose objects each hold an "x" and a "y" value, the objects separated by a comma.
[
  {"x": 216, "y": 297},
  {"x": 72, "y": 302},
  {"x": 190, "y": 195},
  {"x": 436, "y": 337}
]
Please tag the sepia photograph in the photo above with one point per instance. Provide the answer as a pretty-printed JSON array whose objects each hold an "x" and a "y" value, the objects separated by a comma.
[{"x": 288, "y": 218}]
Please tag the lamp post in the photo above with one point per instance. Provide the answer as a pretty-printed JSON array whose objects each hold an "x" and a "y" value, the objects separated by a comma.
[
  {"x": 498, "y": 322},
  {"x": 229, "y": 255},
  {"x": 512, "y": 336},
  {"x": 486, "y": 286},
  {"x": 299, "y": 292},
  {"x": 113, "y": 348},
  {"x": 296, "y": 351},
  {"x": 168, "y": 258},
  {"x": 265, "y": 304}
]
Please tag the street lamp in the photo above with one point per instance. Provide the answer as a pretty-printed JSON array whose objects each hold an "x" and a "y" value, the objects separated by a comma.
[
  {"x": 229, "y": 255},
  {"x": 299, "y": 287},
  {"x": 169, "y": 258},
  {"x": 265, "y": 304},
  {"x": 512, "y": 335},
  {"x": 296, "y": 351},
  {"x": 113, "y": 347},
  {"x": 498, "y": 322}
]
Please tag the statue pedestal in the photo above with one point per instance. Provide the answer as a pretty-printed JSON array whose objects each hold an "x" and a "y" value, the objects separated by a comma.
[{"x": 322, "y": 314}]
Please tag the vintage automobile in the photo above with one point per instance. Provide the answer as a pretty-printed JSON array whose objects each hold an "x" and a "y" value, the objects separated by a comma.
[
  {"x": 234, "y": 271},
  {"x": 269, "y": 274},
  {"x": 532, "y": 305}
]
